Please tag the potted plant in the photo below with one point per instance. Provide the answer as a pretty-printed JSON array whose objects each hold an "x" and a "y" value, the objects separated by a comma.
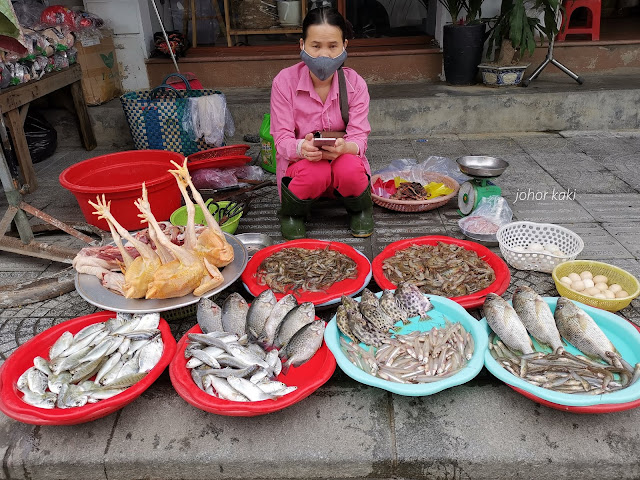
[
  {"x": 462, "y": 41},
  {"x": 513, "y": 33}
]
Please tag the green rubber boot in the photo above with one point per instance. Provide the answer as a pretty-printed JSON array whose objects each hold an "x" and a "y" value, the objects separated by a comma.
[
  {"x": 360, "y": 211},
  {"x": 292, "y": 213}
]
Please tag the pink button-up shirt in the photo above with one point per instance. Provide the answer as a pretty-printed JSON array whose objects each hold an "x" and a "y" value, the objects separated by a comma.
[{"x": 296, "y": 109}]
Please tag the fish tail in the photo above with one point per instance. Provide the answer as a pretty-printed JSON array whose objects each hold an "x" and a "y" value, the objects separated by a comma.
[{"x": 286, "y": 366}]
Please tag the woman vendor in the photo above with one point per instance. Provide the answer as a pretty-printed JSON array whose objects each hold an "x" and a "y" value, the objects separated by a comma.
[{"x": 306, "y": 100}]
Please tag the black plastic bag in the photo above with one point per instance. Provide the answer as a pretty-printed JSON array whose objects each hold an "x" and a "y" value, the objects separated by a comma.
[{"x": 42, "y": 137}]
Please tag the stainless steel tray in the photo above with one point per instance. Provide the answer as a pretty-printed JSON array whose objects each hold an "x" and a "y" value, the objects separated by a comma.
[
  {"x": 254, "y": 242},
  {"x": 482, "y": 166},
  {"x": 90, "y": 288}
]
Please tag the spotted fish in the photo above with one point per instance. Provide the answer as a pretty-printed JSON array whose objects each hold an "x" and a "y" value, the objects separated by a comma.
[
  {"x": 409, "y": 297},
  {"x": 343, "y": 323},
  {"x": 390, "y": 306}
]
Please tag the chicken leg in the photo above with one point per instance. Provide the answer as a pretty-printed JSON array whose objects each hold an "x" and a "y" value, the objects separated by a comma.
[
  {"x": 211, "y": 243},
  {"x": 138, "y": 272}
]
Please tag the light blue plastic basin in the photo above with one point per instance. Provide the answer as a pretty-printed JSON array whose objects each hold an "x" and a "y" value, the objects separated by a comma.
[
  {"x": 443, "y": 309},
  {"x": 622, "y": 334}
]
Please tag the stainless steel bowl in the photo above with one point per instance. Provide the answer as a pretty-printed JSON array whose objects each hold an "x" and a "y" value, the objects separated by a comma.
[
  {"x": 254, "y": 241},
  {"x": 482, "y": 166}
]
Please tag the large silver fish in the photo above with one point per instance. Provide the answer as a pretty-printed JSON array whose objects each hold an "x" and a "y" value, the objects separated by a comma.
[
  {"x": 303, "y": 345},
  {"x": 504, "y": 320},
  {"x": 209, "y": 316},
  {"x": 234, "y": 314},
  {"x": 284, "y": 305},
  {"x": 259, "y": 312},
  {"x": 294, "y": 321},
  {"x": 536, "y": 316},
  {"x": 581, "y": 331}
]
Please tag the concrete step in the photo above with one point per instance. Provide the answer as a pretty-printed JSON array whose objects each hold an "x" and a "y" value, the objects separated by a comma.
[{"x": 557, "y": 104}]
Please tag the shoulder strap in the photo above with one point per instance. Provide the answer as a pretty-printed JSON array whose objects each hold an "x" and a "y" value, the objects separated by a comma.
[{"x": 344, "y": 100}]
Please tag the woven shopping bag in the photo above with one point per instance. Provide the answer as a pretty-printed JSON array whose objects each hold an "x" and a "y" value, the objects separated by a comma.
[{"x": 155, "y": 117}]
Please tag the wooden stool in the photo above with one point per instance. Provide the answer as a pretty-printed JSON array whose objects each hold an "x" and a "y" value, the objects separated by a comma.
[{"x": 593, "y": 19}]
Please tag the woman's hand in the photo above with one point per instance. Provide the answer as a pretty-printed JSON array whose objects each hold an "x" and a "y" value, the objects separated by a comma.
[
  {"x": 308, "y": 151},
  {"x": 341, "y": 146}
]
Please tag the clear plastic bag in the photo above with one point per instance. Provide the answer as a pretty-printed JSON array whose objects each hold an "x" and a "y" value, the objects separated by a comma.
[
  {"x": 442, "y": 165},
  {"x": 490, "y": 214},
  {"x": 225, "y": 177},
  {"x": 208, "y": 117}
]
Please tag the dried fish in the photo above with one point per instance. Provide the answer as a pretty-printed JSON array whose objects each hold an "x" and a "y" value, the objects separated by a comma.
[
  {"x": 303, "y": 269},
  {"x": 443, "y": 269}
]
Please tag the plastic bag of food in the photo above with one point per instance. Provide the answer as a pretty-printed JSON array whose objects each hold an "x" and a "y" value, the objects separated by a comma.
[
  {"x": 225, "y": 177},
  {"x": 57, "y": 15},
  {"x": 490, "y": 214},
  {"x": 412, "y": 169}
]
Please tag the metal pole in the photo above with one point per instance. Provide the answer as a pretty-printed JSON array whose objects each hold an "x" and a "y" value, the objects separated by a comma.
[
  {"x": 166, "y": 37},
  {"x": 549, "y": 59}
]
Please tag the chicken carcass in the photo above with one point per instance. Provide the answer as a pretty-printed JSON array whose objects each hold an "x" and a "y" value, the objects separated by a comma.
[
  {"x": 211, "y": 242},
  {"x": 187, "y": 272},
  {"x": 138, "y": 272}
]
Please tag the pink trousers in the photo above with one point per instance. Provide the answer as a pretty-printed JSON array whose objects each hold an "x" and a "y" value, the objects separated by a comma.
[{"x": 346, "y": 174}]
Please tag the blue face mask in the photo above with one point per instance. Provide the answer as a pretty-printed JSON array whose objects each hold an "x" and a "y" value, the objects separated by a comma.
[{"x": 323, "y": 67}]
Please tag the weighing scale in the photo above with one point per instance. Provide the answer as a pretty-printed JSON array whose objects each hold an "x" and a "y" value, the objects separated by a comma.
[{"x": 483, "y": 169}]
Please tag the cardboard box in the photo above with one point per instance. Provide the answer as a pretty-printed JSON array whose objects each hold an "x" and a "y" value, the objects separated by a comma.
[{"x": 100, "y": 73}]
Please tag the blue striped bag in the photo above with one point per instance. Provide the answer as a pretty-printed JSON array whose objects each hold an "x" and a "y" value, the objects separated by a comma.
[{"x": 155, "y": 117}]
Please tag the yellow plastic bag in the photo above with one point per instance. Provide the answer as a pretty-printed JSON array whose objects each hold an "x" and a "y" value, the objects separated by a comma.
[{"x": 437, "y": 189}]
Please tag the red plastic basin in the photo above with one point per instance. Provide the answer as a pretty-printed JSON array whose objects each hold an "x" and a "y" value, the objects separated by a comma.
[
  {"x": 11, "y": 403},
  {"x": 119, "y": 177}
]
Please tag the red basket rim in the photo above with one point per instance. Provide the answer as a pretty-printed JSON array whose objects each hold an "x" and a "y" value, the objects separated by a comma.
[
  {"x": 151, "y": 184},
  {"x": 11, "y": 403},
  {"x": 343, "y": 287},
  {"x": 602, "y": 408},
  {"x": 308, "y": 377},
  {"x": 219, "y": 162},
  {"x": 499, "y": 286}
]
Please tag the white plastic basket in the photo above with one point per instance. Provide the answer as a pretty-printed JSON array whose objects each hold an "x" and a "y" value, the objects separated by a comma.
[{"x": 514, "y": 237}]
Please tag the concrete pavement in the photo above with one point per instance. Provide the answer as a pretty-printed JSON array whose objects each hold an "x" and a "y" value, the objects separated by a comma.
[{"x": 482, "y": 429}]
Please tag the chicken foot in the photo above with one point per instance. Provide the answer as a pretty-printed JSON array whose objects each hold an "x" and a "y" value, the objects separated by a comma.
[{"x": 138, "y": 272}]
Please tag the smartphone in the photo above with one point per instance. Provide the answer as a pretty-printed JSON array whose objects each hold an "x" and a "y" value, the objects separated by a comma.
[{"x": 321, "y": 142}]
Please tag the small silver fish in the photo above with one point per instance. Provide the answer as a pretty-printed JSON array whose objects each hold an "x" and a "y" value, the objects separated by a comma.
[
  {"x": 248, "y": 389},
  {"x": 150, "y": 355},
  {"x": 40, "y": 400},
  {"x": 55, "y": 382},
  {"x": 64, "y": 341},
  {"x": 224, "y": 390}
]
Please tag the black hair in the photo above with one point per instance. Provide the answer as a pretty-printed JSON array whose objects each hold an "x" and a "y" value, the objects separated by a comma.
[{"x": 328, "y": 16}]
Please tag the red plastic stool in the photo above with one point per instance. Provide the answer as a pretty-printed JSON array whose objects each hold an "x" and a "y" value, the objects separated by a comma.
[{"x": 592, "y": 27}]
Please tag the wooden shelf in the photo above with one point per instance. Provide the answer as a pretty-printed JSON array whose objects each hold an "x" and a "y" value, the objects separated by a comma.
[
  {"x": 265, "y": 31},
  {"x": 259, "y": 31}
]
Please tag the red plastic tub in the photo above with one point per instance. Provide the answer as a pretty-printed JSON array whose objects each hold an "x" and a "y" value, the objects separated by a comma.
[
  {"x": 119, "y": 176},
  {"x": 474, "y": 300},
  {"x": 11, "y": 403}
]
